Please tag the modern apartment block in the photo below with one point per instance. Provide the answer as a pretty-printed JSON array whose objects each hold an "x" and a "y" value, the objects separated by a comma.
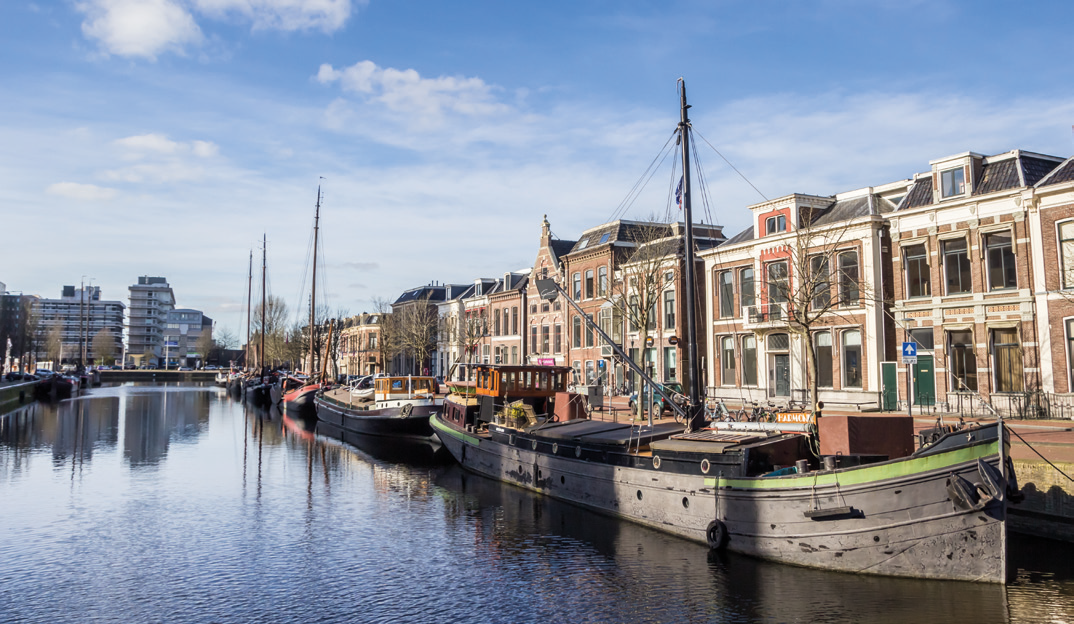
[
  {"x": 89, "y": 329},
  {"x": 183, "y": 331},
  {"x": 151, "y": 299}
]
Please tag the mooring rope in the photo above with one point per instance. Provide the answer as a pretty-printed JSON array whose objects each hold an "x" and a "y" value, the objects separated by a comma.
[{"x": 1039, "y": 455}]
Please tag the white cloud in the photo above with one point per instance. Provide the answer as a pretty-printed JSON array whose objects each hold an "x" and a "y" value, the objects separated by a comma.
[
  {"x": 325, "y": 15},
  {"x": 84, "y": 192},
  {"x": 406, "y": 91},
  {"x": 161, "y": 159},
  {"x": 139, "y": 28}
]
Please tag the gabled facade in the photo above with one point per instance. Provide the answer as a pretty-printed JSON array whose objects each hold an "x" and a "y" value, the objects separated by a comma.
[
  {"x": 451, "y": 345},
  {"x": 507, "y": 305},
  {"x": 360, "y": 346},
  {"x": 539, "y": 317}
]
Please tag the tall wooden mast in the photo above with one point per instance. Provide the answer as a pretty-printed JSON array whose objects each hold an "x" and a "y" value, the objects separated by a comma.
[
  {"x": 261, "y": 355},
  {"x": 688, "y": 271},
  {"x": 313, "y": 290},
  {"x": 249, "y": 298}
]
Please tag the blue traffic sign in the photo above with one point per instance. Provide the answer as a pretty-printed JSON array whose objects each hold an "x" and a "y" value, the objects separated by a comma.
[{"x": 909, "y": 349}]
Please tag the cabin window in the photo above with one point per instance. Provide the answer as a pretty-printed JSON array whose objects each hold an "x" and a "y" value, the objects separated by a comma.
[
  {"x": 544, "y": 381},
  {"x": 397, "y": 384},
  {"x": 504, "y": 386}
]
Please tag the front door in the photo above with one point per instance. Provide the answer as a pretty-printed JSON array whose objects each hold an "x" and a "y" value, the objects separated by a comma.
[
  {"x": 780, "y": 375},
  {"x": 889, "y": 379},
  {"x": 924, "y": 381}
]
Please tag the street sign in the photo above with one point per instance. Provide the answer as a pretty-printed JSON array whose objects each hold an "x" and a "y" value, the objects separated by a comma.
[
  {"x": 648, "y": 341},
  {"x": 909, "y": 349},
  {"x": 909, "y": 360},
  {"x": 674, "y": 340}
]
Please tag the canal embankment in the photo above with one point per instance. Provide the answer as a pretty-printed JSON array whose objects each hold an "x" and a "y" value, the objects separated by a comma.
[{"x": 15, "y": 395}]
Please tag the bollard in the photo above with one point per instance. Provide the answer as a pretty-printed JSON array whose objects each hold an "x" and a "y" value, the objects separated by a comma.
[
  {"x": 829, "y": 462},
  {"x": 802, "y": 466}
]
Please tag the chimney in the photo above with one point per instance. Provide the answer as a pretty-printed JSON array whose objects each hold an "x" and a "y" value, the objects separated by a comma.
[{"x": 546, "y": 232}]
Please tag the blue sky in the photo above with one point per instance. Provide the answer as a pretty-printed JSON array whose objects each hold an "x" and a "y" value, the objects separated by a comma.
[{"x": 162, "y": 137}]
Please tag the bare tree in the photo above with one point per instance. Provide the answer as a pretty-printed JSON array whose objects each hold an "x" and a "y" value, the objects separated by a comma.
[
  {"x": 275, "y": 329},
  {"x": 205, "y": 345},
  {"x": 417, "y": 326},
  {"x": 226, "y": 338},
  {"x": 389, "y": 342},
  {"x": 642, "y": 277},
  {"x": 816, "y": 284},
  {"x": 104, "y": 346},
  {"x": 465, "y": 332},
  {"x": 54, "y": 346}
]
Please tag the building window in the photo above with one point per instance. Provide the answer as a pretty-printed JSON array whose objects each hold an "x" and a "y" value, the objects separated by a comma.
[
  {"x": 1000, "y": 254},
  {"x": 589, "y": 284},
  {"x": 923, "y": 338},
  {"x": 749, "y": 360},
  {"x": 670, "y": 368},
  {"x": 669, "y": 309},
  {"x": 1007, "y": 360},
  {"x": 602, "y": 281},
  {"x": 745, "y": 286},
  {"x": 775, "y": 225},
  {"x": 852, "y": 359},
  {"x": 514, "y": 321},
  {"x": 555, "y": 305},
  {"x": 820, "y": 283},
  {"x": 557, "y": 343},
  {"x": 1066, "y": 253},
  {"x": 496, "y": 323},
  {"x": 577, "y": 343},
  {"x": 634, "y": 312},
  {"x": 848, "y": 278},
  {"x": 514, "y": 355},
  {"x": 953, "y": 182},
  {"x": 544, "y": 306},
  {"x": 533, "y": 339},
  {"x": 727, "y": 361},
  {"x": 577, "y": 290},
  {"x": 576, "y": 371},
  {"x": 777, "y": 288},
  {"x": 590, "y": 373},
  {"x": 544, "y": 339},
  {"x": 962, "y": 362},
  {"x": 823, "y": 343},
  {"x": 956, "y": 263},
  {"x": 727, "y": 294},
  {"x": 589, "y": 342},
  {"x": 917, "y": 271}
]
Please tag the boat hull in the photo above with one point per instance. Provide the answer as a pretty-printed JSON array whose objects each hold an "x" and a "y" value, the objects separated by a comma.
[
  {"x": 385, "y": 421},
  {"x": 899, "y": 520},
  {"x": 302, "y": 401}
]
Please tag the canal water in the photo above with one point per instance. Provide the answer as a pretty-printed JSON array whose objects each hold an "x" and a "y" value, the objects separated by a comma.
[{"x": 174, "y": 503}]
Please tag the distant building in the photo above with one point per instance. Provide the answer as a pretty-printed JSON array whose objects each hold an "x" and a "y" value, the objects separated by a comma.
[
  {"x": 17, "y": 338},
  {"x": 151, "y": 299},
  {"x": 90, "y": 330},
  {"x": 183, "y": 330}
]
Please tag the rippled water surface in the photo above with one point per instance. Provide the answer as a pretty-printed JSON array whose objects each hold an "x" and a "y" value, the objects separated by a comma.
[{"x": 176, "y": 504}]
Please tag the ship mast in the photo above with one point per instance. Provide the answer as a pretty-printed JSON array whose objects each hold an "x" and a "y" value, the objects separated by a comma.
[
  {"x": 261, "y": 355},
  {"x": 249, "y": 295},
  {"x": 688, "y": 271},
  {"x": 313, "y": 291}
]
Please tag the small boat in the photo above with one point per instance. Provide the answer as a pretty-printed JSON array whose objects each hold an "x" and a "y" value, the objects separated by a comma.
[
  {"x": 221, "y": 379},
  {"x": 299, "y": 395},
  {"x": 401, "y": 406}
]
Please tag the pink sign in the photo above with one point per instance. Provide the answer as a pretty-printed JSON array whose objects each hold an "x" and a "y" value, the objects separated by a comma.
[{"x": 546, "y": 361}]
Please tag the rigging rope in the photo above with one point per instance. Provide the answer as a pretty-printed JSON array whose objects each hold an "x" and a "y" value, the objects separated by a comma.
[
  {"x": 733, "y": 167},
  {"x": 1039, "y": 455}
]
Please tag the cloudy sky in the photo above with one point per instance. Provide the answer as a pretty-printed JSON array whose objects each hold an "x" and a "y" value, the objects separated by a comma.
[{"x": 164, "y": 137}]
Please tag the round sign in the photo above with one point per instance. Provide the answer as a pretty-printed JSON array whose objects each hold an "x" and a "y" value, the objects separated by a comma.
[
  {"x": 674, "y": 340},
  {"x": 648, "y": 341}
]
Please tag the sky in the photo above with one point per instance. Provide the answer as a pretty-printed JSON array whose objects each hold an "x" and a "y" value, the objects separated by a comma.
[{"x": 166, "y": 137}]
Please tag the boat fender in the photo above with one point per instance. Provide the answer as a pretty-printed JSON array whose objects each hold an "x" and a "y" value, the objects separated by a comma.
[
  {"x": 716, "y": 535},
  {"x": 962, "y": 493},
  {"x": 407, "y": 408}
]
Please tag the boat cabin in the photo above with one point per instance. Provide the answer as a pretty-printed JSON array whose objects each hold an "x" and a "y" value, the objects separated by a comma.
[
  {"x": 516, "y": 382},
  {"x": 395, "y": 388}
]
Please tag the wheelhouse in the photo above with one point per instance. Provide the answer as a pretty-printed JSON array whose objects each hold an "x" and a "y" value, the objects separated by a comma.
[
  {"x": 388, "y": 388},
  {"x": 520, "y": 382}
]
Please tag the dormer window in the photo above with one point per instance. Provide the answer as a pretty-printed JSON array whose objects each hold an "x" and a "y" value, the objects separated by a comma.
[
  {"x": 583, "y": 243},
  {"x": 775, "y": 225},
  {"x": 604, "y": 239},
  {"x": 953, "y": 182}
]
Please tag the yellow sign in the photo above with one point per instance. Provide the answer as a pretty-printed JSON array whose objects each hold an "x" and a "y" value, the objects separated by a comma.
[{"x": 796, "y": 417}]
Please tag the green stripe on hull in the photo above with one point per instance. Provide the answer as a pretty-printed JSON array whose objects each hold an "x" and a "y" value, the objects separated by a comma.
[
  {"x": 442, "y": 428},
  {"x": 879, "y": 472}
]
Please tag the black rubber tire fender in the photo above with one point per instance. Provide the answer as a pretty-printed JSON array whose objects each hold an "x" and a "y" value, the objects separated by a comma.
[{"x": 716, "y": 535}]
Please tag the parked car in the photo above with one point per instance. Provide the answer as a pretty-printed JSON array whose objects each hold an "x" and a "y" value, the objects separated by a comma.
[
  {"x": 185, "y": 368},
  {"x": 672, "y": 388},
  {"x": 211, "y": 367}
]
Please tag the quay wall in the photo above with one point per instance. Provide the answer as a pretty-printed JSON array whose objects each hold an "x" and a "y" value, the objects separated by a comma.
[
  {"x": 120, "y": 376},
  {"x": 14, "y": 396},
  {"x": 1048, "y": 510}
]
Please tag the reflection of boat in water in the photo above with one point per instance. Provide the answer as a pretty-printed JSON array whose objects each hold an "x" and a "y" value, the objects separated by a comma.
[
  {"x": 427, "y": 452},
  {"x": 762, "y": 489},
  {"x": 401, "y": 407}
]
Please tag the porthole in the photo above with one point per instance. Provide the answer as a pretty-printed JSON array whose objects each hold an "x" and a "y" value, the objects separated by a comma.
[
  {"x": 555, "y": 448},
  {"x": 656, "y": 462},
  {"x": 685, "y": 502},
  {"x": 639, "y": 494},
  {"x": 705, "y": 466}
]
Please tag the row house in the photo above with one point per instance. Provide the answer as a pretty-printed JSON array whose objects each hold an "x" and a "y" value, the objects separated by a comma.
[
  {"x": 507, "y": 309},
  {"x": 1052, "y": 203},
  {"x": 807, "y": 271},
  {"x": 360, "y": 345},
  {"x": 452, "y": 347},
  {"x": 545, "y": 322},
  {"x": 415, "y": 315},
  {"x": 965, "y": 279}
]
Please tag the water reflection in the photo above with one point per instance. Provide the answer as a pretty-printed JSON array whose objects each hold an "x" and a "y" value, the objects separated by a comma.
[{"x": 191, "y": 507}]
